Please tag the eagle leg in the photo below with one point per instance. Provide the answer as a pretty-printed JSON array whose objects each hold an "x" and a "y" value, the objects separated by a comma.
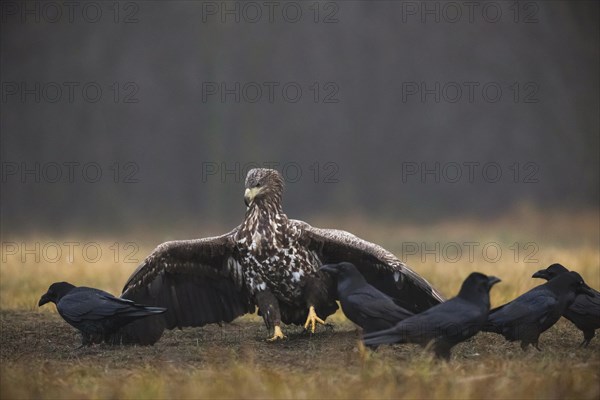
[
  {"x": 269, "y": 308},
  {"x": 316, "y": 292},
  {"x": 312, "y": 320},
  {"x": 277, "y": 335}
]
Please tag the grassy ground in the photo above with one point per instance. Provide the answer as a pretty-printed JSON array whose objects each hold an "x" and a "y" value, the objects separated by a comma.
[{"x": 38, "y": 359}]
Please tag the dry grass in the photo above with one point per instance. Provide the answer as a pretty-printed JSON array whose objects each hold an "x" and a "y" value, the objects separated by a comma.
[{"x": 38, "y": 360}]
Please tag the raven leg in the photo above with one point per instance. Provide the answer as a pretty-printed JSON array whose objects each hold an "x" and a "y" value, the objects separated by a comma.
[
  {"x": 525, "y": 345},
  {"x": 269, "y": 308},
  {"x": 86, "y": 341},
  {"x": 442, "y": 350},
  {"x": 587, "y": 337}
]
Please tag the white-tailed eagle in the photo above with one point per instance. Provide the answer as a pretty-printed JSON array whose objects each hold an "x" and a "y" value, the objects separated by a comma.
[{"x": 268, "y": 261}]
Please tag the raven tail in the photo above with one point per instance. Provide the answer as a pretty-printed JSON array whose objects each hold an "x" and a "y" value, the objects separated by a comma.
[{"x": 386, "y": 336}]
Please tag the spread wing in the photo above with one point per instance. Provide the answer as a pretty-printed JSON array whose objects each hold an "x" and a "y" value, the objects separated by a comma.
[
  {"x": 380, "y": 267},
  {"x": 198, "y": 281}
]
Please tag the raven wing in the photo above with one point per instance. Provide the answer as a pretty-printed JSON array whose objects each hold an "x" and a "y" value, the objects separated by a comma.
[
  {"x": 453, "y": 318},
  {"x": 587, "y": 305},
  {"x": 89, "y": 304},
  {"x": 369, "y": 306},
  {"x": 533, "y": 307},
  {"x": 198, "y": 281},
  {"x": 379, "y": 267}
]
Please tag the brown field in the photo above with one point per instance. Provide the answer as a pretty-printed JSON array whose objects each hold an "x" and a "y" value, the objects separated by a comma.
[{"x": 38, "y": 357}]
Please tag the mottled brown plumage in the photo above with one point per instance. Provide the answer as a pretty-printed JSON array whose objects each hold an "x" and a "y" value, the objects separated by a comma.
[{"x": 268, "y": 261}]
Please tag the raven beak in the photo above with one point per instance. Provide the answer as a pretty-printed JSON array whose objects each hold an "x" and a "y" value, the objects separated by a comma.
[
  {"x": 249, "y": 195},
  {"x": 331, "y": 268},
  {"x": 43, "y": 300},
  {"x": 492, "y": 280},
  {"x": 585, "y": 289},
  {"x": 542, "y": 273}
]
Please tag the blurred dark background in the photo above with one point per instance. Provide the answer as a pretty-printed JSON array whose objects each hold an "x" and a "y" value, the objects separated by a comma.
[{"x": 134, "y": 91}]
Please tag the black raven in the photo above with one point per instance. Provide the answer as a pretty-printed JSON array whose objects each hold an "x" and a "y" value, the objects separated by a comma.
[
  {"x": 446, "y": 324},
  {"x": 529, "y": 315},
  {"x": 584, "y": 312},
  {"x": 362, "y": 303},
  {"x": 96, "y": 313}
]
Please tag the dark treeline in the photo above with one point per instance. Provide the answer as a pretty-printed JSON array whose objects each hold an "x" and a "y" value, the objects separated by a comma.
[{"x": 151, "y": 112}]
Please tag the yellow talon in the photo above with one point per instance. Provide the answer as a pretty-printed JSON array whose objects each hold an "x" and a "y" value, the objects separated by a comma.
[
  {"x": 277, "y": 335},
  {"x": 312, "y": 320}
]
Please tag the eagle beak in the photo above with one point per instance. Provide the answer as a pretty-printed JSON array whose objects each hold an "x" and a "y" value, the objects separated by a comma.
[
  {"x": 43, "y": 300},
  {"x": 249, "y": 195}
]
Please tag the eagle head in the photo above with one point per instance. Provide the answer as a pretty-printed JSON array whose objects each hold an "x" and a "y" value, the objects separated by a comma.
[{"x": 263, "y": 184}]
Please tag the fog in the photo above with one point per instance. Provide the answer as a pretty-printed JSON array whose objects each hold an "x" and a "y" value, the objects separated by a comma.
[{"x": 148, "y": 114}]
